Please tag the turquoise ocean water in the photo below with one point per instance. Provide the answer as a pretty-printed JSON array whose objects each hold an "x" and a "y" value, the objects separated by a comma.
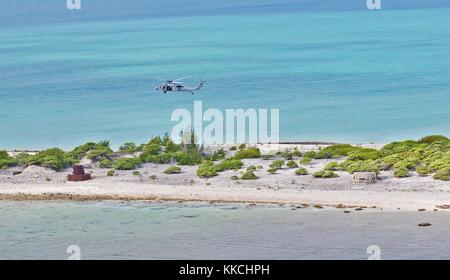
[{"x": 336, "y": 70}]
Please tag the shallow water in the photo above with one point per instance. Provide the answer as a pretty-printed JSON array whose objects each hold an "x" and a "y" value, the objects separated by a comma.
[
  {"x": 141, "y": 230},
  {"x": 336, "y": 70}
]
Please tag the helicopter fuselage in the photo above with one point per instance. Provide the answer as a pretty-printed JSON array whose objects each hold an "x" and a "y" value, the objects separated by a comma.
[{"x": 169, "y": 86}]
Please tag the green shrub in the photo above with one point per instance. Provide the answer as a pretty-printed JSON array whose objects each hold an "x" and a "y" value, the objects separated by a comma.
[
  {"x": 272, "y": 170},
  {"x": 287, "y": 155},
  {"x": 296, "y": 153},
  {"x": 433, "y": 138},
  {"x": 301, "y": 171},
  {"x": 220, "y": 154},
  {"x": 99, "y": 154},
  {"x": 6, "y": 161},
  {"x": 398, "y": 147},
  {"x": 4, "y": 155},
  {"x": 106, "y": 163},
  {"x": 325, "y": 174},
  {"x": 381, "y": 165},
  {"x": 173, "y": 170},
  {"x": 361, "y": 166},
  {"x": 206, "y": 171},
  {"x": 22, "y": 158},
  {"x": 423, "y": 170},
  {"x": 277, "y": 164},
  {"x": 442, "y": 174},
  {"x": 405, "y": 164},
  {"x": 94, "y": 151},
  {"x": 126, "y": 163},
  {"x": 136, "y": 173},
  {"x": 152, "y": 149},
  {"x": 306, "y": 161},
  {"x": 156, "y": 140},
  {"x": 401, "y": 172},
  {"x": 233, "y": 148},
  {"x": 441, "y": 163},
  {"x": 364, "y": 154},
  {"x": 128, "y": 148},
  {"x": 171, "y": 147},
  {"x": 191, "y": 157},
  {"x": 248, "y": 153},
  {"x": 229, "y": 164},
  {"x": 162, "y": 158},
  {"x": 335, "y": 151},
  {"x": 111, "y": 172},
  {"x": 310, "y": 154},
  {"x": 249, "y": 175},
  {"x": 80, "y": 151},
  {"x": 53, "y": 158},
  {"x": 291, "y": 164},
  {"x": 251, "y": 168},
  {"x": 242, "y": 146},
  {"x": 332, "y": 166}
]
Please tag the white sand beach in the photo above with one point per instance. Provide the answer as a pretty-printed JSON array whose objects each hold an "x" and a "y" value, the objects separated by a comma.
[{"x": 284, "y": 187}]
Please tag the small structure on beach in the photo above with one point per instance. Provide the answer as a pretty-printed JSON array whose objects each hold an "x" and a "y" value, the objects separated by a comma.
[
  {"x": 78, "y": 174},
  {"x": 364, "y": 177}
]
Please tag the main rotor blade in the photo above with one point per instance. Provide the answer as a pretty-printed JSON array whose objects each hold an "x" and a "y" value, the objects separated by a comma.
[{"x": 180, "y": 79}]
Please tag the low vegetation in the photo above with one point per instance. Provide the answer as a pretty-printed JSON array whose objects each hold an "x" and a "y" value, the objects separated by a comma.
[
  {"x": 325, "y": 174},
  {"x": 128, "y": 148},
  {"x": 54, "y": 158},
  {"x": 305, "y": 161},
  {"x": 249, "y": 175},
  {"x": 248, "y": 153},
  {"x": 6, "y": 161},
  {"x": 277, "y": 164},
  {"x": 291, "y": 164},
  {"x": 207, "y": 171},
  {"x": 272, "y": 170},
  {"x": 251, "y": 168},
  {"x": 301, "y": 171},
  {"x": 429, "y": 156},
  {"x": 210, "y": 169},
  {"x": 229, "y": 164},
  {"x": 173, "y": 170},
  {"x": 126, "y": 163},
  {"x": 94, "y": 151}
]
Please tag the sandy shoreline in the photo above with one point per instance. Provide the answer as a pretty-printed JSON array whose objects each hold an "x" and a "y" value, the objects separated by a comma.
[
  {"x": 407, "y": 201},
  {"x": 284, "y": 187}
]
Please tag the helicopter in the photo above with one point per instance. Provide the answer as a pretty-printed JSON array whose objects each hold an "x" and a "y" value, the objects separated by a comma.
[{"x": 177, "y": 85}]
